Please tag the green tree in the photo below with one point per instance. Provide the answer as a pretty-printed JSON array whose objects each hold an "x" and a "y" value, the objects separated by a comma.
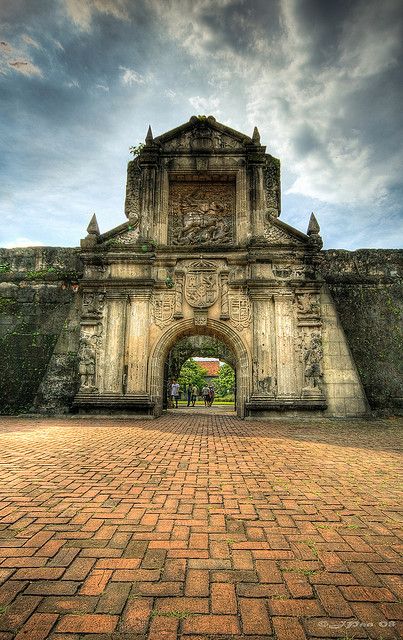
[
  {"x": 226, "y": 380},
  {"x": 192, "y": 373}
]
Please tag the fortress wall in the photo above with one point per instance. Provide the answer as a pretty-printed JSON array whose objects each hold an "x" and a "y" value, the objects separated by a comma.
[
  {"x": 38, "y": 331},
  {"x": 39, "y": 324}
]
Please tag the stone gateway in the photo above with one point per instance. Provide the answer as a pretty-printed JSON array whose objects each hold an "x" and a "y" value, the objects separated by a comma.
[{"x": 203, "y": 252}]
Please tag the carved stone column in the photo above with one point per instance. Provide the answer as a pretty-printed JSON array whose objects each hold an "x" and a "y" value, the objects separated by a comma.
[
  {"x": 179, "y": 278},
  {"x": 224, "y": 296},
  {"x": 285, "y": 345},
  {"x": 116, "y": 303},
  {"x": 138, "y": 322},
  {"x": 263, "y": 335}
]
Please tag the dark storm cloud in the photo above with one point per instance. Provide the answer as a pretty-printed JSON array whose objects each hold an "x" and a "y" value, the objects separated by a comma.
[{"x": 81, "y": 81}]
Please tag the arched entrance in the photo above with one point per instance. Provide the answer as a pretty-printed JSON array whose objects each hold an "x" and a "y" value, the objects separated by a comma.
[{"x": 186, "y": 328}]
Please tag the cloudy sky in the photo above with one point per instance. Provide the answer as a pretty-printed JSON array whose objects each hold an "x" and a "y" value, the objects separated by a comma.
[{"x": 81, "y": 80}]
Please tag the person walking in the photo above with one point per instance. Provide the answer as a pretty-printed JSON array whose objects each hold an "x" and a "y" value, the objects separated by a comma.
[
  {"x": 211, "y": 395},
  {"x": 205, "y": 394},
  {"x": 189, "y": 394},
  {"x": 175, "y": 393},
  {"x": 195, "y": 393}
]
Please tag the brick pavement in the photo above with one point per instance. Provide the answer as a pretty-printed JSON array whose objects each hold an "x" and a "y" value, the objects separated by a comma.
[{"x": 199, "y": 527}]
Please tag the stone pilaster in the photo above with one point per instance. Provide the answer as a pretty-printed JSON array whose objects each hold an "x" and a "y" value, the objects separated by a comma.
[
  {"x": 114, "y": 348},
  {"x": 285, "y": 347},
  {"x": 137, "y": 325},
  {"x": 263, "y": 329}
]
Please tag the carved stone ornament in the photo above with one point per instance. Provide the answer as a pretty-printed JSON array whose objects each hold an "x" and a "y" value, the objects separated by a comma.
[
  {"x": 163, "y": 306},
  {"x": 240, "y": 310},
  {"x": 93, "y": 304},
  {"x": 201, "y": 284},
  {"x": 308, "y": 304},
  {"x": 200, "y": 317}
]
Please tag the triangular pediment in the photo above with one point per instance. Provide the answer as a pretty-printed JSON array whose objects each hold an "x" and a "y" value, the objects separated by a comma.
[
  {"x": 280, "y": 233},
  {"x": 125, "y": 234},
  {"x": 202, "y": 132}
]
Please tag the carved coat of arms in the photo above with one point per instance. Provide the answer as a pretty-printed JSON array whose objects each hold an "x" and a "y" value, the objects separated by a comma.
[
  {"x": 201, "y": 285},
  {"x": 240, "y": 310},
  {"x": 163, "y": 308}
]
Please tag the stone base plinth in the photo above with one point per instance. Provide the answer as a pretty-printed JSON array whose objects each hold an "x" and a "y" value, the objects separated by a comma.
[
  {"x": 262, "y": 406},
  {"x": 99, "y": 403}
]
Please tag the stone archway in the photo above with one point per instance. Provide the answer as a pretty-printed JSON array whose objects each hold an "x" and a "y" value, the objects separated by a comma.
[{"x": 187, "y": 327}]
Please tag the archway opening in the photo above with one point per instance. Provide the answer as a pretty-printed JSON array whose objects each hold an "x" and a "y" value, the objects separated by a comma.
[
  {"x": 232, "y": 349},
  {"x": 204, "y": 367}
]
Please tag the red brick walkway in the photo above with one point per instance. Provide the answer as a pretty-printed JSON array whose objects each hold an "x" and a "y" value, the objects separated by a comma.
[{"x": 199, "y": 527}]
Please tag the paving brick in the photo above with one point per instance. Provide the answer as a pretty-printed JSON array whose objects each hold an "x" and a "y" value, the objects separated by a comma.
[
  {"x": 255, "y": 619},
  {"x": 18, "y": 612},
  {"x": 113, "y": 598},
  {"x": 163, "y": 628},
  {"x": 295, "y": 608},
  {"x": 223, "y": 598},
  {"x": 186, "y": 527},
  {"x": 96, "y": 582},
  {"x": 367, "y": 594},
  {"x": 38, "y": 627},
  {"x": 136, "y": 615},
  {"x": 79, "y": 569},
  {"x": 182, "y": 605},
  {"x": 333, "y": 602},
  {"x": 211, "y": 624},
  {"x": 288, "y": 629},
  {"x": 68, "y": 604},
  {"x": 197, "y": 583},
  {"x": 87, "y": 623}
]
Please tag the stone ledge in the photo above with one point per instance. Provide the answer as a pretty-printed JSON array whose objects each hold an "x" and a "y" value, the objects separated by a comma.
[{"x": 138, "y": 403}]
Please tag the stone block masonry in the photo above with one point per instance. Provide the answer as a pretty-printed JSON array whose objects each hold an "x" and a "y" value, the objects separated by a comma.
[{"x": 39, "y": 325}]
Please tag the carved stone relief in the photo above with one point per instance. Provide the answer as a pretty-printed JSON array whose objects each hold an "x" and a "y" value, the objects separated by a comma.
[
  {"x": 201, "y": 138},
  {"x": 201, "y": 213},
  {"x": 163, "y": 307},
  {"x": 285, "y": 272},
  {"x": 93, "y": 304},
  {"x": 312, "y": 362},
  {"x": 272, "y": 186},
  {"x": 87, "y": 353},
  {"x": 308, "y": 304}
]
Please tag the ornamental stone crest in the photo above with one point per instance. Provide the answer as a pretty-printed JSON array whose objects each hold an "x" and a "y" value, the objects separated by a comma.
[
  {"x": 163, "y": 308},
  {"x": 240, "y": 310},
  {"x": 201, "y": 284}
]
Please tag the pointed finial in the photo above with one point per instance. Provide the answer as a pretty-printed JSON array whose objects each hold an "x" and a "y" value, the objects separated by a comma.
[
  {"x": 313, "y": 226},
  {"x": 93, "y": 228},
  {"x": 149, "y": 136},
  {"x": 256, "y": 136}
]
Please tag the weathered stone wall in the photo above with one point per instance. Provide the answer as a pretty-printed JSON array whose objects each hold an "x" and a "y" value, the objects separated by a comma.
[
  {"x": 39, "y": 320},
  {"x": 367, "y": 288},
  {"x": 38, "y": 331}
]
